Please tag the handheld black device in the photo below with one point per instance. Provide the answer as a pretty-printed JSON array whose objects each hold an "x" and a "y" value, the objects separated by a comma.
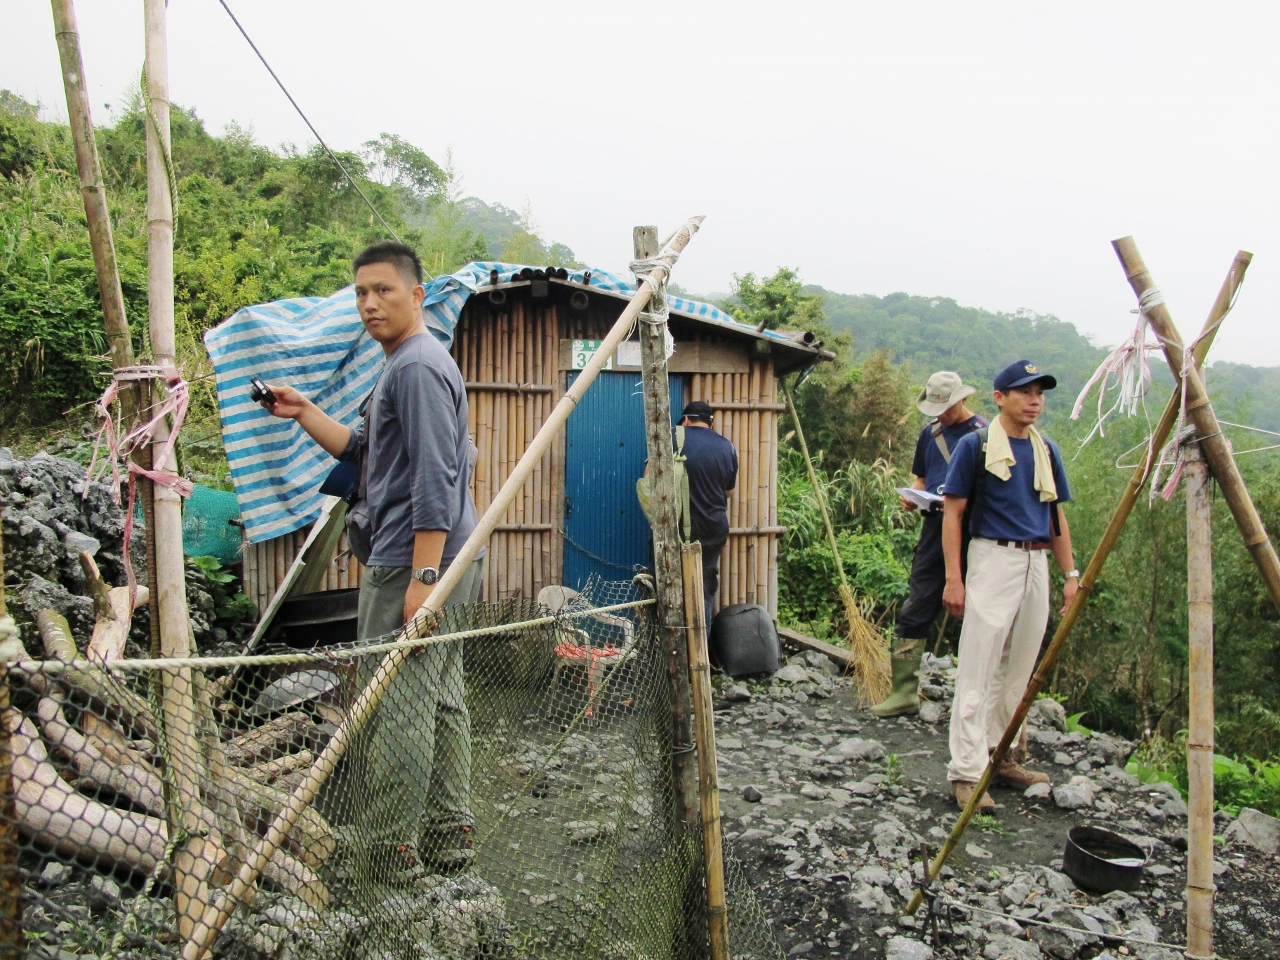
[{"x": 260, "y": 392}]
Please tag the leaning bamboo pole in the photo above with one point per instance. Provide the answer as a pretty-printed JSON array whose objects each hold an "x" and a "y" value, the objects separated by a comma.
[
  {"x": 1200, "y": 714},
  {"x": 704, "y": 731},
  {"x": 217, "y": 914},
  {"x": 195, "y": 860},
  {"x": 1120, "y": 516},
  {"x": 867, "y": 650},
  {"x": 1217, "y": 451}
]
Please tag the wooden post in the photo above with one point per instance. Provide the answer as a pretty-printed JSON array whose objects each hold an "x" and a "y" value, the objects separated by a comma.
[
  {"x": 1200, "y": 885},
  {"x": 194, "y": 861},
  {"x": 1137, "y": 480},
  {"x": 705, "y": 734},
  {"x": 1209, "y": 432},
  {"x": 13, "y": 942},
  {"x": 361, "y": 710},
  {"x": 666, "y": 533}
]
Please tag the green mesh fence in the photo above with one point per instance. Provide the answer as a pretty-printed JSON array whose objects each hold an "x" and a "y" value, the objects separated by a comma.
[
  {"x": 511, "y": 797},
  {"x": 207, "y": 530}
]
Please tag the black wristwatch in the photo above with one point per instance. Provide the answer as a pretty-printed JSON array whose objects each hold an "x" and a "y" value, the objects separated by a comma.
[{"x": 427, "y": 575}]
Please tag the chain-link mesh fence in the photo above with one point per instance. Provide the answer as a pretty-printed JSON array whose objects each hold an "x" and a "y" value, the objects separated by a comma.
[{"x": 510, "y": 797}]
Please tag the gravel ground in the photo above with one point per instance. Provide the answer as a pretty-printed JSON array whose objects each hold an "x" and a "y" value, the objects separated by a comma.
[{"x": 826, "y": 806}]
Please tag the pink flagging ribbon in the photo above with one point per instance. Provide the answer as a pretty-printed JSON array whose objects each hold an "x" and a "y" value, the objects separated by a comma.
[
  {"x": 121, "y": 449},
  {"x": 1127, "y": 363}
]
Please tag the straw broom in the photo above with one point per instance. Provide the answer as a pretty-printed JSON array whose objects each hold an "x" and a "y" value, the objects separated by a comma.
[{"x": 868, "y": 652}]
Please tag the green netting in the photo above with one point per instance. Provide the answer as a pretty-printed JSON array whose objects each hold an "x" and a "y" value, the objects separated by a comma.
[
  {"x": 207, "y": 530},
  {"x": 557, "y": 748}
]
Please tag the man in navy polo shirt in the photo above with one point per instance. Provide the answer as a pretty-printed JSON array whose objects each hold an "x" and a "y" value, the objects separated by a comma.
[
  {"x": 943, "y": 399},
  {"x": 1014, "y": 477}
]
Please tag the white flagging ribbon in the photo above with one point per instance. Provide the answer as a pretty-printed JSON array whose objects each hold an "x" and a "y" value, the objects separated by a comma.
[
  {"x": 1125, "y": 369},
  {"x": 642, "y": 269}
]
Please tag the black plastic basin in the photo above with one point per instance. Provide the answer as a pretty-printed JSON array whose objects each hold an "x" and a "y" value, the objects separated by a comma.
[
  {"x": 1101, "y": 861},
  {"x": 319, "y": 619}
]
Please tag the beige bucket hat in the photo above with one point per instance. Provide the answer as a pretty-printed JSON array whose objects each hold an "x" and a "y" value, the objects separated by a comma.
[{"x": 944, "y": 390}]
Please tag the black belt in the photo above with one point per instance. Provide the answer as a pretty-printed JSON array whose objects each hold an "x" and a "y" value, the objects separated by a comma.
[{"x": 1023, "y": 544}]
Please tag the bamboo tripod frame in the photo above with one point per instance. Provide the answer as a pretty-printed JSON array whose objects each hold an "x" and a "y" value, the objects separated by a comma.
[
  {"x": 1137, "y": 480},
  {"x": 218, "y": 912}
]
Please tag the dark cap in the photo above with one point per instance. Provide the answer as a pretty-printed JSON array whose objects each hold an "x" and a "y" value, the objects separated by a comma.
[
  {"x": 1020, "y": 373},
  {"x": 698, "y": 410}
]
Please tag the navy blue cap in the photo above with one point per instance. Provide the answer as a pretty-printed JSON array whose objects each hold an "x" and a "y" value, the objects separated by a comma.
[
  {"x": 1020, "y": 373},
  {"x": 698, "y": 410}
]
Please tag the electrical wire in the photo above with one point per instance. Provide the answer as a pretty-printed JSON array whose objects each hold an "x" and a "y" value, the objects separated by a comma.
[{"x": 314, "y": 132}]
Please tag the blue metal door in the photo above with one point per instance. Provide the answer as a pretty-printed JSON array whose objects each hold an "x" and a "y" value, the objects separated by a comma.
[{"x": 605, "y": 531}]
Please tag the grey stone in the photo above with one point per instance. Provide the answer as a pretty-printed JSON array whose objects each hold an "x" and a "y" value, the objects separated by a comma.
[
  {"x": 103, "y": 891},
  {"x": 792, "y": 673},
  {"x": 907, "y": 948},
  {"x": 1256, "y": 829},
  {"x": 872, "y": 899},
  {"x": 1165, "y": 788},
  {"x": 821, "y": 662},
  {"x": 1038, "y": 791},
  {"x": 1062, "y": 944},
  {"x": 977, "y": 852},
  {"x": 1077, "y": 793},
  {"x": 813, "y": 791},
  {"x": 1001, "y": 947},
  {"x": 55, "y": 874},
  {"x": 1049, "y": 713},
  {"x": 1056, "y": 882},
  {"x": 78, "y": 543},
  {"x": 1175, "y": 807},
  {"x": 1014, "y": 894},
  {"x": 736, "y": 692},
  {"x": 801, "y": 949},
  {"x": 1005, "y": 926},
  {"x": 1063, "y": 759},
  {"x": 752, "y": 835},
  {"x": 874, "y": 874},
  {"x": 856, "y": 748},
  {"x": 1160, "y": 870},
  {"x": 586, "y": 831},
  {"x": 728, "y": 743},
  {"x": 751, "y": 794},
  {"x": 931, "y": 712},
  {"x": 862, "y": 788}
]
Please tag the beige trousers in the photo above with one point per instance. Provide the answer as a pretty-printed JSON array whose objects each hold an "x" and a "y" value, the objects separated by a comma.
[{"x": 1006, "y": 609}]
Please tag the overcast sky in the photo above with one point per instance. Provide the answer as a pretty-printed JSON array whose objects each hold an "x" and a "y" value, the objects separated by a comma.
[{"x": 987, "y": 152}]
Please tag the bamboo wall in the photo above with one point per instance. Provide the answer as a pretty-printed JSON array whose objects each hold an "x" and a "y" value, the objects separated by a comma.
[
  {"x": 746, "y": 408},
  {"x": 266, "y": 563},
  {"x": 510, "y": 356}
]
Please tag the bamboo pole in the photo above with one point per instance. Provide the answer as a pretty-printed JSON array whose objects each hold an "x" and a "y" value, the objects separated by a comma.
[
  {"x": 668, "y": 572},
  {"x": 1137, "y": 480},
  {"x": 216, "y": 915},
  {"x": 704, "y": 729},
  {"x": 195, "y": 861},
  {"x": 866, "y": 647},
  {"x": 1216, "y": 449},
  {"x": 13, "y": 942},
  {"x": 1200, "y": 886}
]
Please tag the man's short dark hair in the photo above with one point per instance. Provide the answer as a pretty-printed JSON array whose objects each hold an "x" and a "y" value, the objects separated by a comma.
[{"x": 400, "y": 256}]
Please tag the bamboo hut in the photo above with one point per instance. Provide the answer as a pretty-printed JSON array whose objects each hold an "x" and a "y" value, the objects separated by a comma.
[{"x": 519, "y": 345}]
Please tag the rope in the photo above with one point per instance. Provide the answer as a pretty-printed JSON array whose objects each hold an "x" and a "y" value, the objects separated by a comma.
[
  {"x": 314, "y": 132},
  {"x": 56, "y": 667},
  {"x": 952, "y": 902},
  {"x": 633, "y": 568},
  {"x": 161, "y": 142}
]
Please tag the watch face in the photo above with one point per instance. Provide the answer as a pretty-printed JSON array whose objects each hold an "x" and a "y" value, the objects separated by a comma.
[{"x": 427, "y": 575}]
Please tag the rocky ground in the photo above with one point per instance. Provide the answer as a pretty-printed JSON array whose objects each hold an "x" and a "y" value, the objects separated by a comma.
[{"x": 826, "y": 807}]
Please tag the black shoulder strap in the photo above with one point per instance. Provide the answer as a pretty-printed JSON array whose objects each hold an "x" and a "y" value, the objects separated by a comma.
[{"x": 979, "y": 485}]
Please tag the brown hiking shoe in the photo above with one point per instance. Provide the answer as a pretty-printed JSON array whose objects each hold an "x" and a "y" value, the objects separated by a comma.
[
  {"x": 962, "y": 790},
  {"x": 1011, "y": 774}
]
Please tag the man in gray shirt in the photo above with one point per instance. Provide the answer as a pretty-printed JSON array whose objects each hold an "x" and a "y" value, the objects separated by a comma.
[{"x": 414, "y": 758}]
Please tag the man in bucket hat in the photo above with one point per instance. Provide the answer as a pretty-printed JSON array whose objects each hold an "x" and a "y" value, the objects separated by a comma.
[
  {"x": 943, "y": 399},
  {"x": 1010, "y": 479}
]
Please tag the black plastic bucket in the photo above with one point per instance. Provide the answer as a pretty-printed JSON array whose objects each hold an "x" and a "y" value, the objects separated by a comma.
[{"x": 1101, "y": 861}]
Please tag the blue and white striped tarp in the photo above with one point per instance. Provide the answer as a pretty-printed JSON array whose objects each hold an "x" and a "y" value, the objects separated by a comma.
[{"x": 318, "y": 345}]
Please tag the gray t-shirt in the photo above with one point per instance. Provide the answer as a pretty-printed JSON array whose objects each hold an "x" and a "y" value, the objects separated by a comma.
[{"x": 420, "y": 455}]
